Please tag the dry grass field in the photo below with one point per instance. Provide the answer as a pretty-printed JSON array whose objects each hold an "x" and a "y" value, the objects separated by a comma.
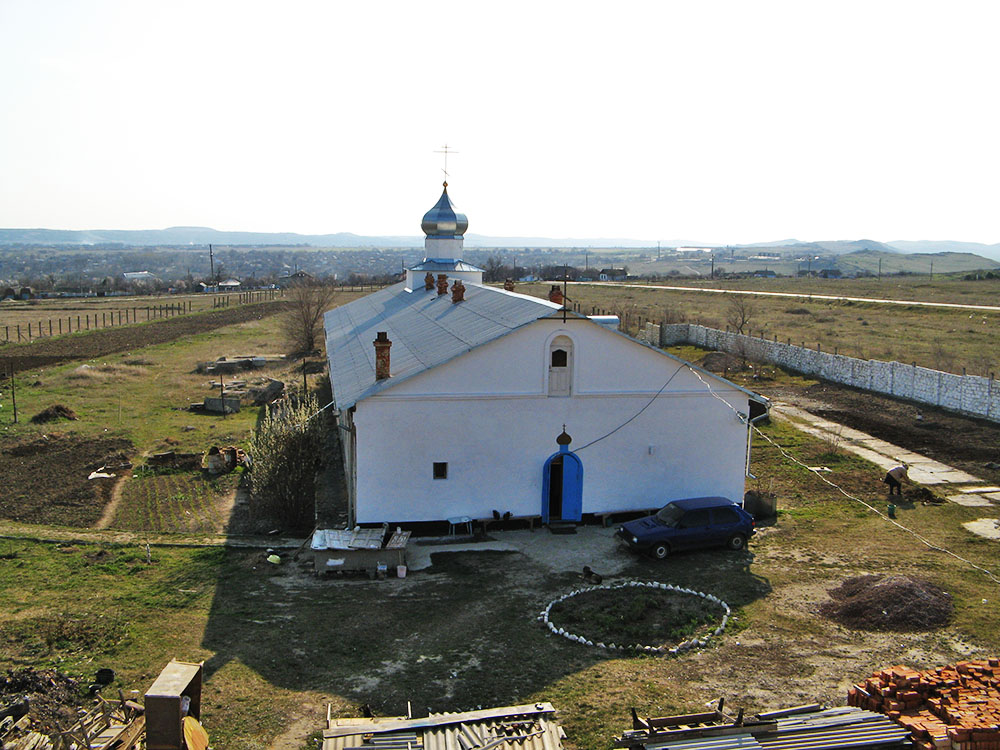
[
  {"x": 941, "y": 339},
  {"x": 43, "y": 318}
]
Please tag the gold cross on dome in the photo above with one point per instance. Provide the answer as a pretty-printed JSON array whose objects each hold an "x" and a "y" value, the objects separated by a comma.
[{"x": 446, "y": 150}]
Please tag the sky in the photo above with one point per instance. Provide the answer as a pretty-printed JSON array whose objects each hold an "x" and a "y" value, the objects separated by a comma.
[{"x": 722, "y": 122}]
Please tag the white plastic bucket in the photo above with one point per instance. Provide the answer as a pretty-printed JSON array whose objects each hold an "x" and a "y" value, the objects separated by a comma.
[{"x": 401, "y": 571}]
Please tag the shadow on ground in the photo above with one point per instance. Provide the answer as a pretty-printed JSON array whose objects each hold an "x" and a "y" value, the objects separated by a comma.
[{"x": 463, "y": 633}]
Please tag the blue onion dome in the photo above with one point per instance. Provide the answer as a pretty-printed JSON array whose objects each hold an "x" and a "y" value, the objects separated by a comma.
[{"x": 443, "y": 220}]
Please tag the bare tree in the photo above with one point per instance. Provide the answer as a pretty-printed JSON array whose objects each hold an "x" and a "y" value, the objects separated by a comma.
[
  {"x": 495, "y": 269},
  {"x": 302, "y": 325},
  {"x": 740, "y": 313}
]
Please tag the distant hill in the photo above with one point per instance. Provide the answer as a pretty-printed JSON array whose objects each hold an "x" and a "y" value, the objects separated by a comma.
[
  {"x": 194, "y": 236},
  {"x": 896, "y": 262},
  {"x": 206, "y": 235},
  {"x": 202, "y": 236},
  {"x": 947, "y": 246}
]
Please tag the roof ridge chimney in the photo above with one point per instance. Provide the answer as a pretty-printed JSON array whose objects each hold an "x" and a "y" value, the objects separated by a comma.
[{"x": 382, "y": 345}]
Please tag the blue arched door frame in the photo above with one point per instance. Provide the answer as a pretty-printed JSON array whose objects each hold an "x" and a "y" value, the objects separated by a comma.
[{"x": 572, "y": 486}]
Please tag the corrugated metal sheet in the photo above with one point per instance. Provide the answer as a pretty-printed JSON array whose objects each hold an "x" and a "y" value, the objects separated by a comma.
[
  {"x": 426, "y": 330},
  {"x": 444, "y": 264},
  {"x": 839, "y": 728},
  {"x": 732, "y": 742},
  {"x": 542, "y": 734},
  {"x": 516, "y": 730}
]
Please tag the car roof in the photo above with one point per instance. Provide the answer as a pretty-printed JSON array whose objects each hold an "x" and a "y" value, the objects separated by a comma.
[{"x": 696, "y": 503}]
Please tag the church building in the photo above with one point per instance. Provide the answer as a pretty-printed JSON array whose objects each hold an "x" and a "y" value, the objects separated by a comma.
[{"x": 458, "y": 399}]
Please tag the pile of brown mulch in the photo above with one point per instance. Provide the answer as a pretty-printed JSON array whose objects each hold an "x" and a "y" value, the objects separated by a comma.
[
  {"x": 896, "y": 603},
  {"x": 57, "y": 411},
  {"x": 53, "y": 698},
  {"x": 920, "y": 494}
]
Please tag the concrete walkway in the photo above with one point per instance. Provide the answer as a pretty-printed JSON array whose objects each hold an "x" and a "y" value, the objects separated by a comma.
[
  {"x": 964, "y": 488},
  {"x": 883, "y": 454},
  {"x": 595, "y": 546}
]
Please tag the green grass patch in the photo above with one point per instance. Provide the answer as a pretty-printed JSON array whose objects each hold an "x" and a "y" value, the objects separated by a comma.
[{"x": 143, "y": 395}]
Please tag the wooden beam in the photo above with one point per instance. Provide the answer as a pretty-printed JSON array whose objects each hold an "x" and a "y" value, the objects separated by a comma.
[{"x": 396, "y": 725}]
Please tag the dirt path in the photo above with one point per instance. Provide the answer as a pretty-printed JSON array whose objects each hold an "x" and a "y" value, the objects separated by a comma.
[
  {"x": 11, "y": 530},
  {"x": 112, "y": 507},
  {"x": 794, "y": 295}
]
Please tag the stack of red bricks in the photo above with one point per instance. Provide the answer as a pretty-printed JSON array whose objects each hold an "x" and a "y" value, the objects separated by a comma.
[{"x": 955, "y": 707}]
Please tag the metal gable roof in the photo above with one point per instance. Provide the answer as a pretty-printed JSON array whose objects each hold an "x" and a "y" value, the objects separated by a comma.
[
  {"x": 426, "y": 330},
  {"x": 444, "y": 264}
]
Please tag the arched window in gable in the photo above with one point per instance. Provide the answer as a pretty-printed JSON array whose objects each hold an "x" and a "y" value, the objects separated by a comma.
[{"x": 561, "y": 366}]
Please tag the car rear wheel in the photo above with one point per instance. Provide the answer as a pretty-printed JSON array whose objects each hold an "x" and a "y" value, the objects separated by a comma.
[
  {"x": 737, "y": 542},
  {"x": 660, "y": 551}
]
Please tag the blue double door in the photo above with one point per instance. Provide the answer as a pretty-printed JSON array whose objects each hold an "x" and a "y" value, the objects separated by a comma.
[{"x": 562, "y": 488}]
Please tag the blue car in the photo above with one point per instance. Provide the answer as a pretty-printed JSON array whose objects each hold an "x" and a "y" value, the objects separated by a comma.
[{"x": 690, "y": 524}]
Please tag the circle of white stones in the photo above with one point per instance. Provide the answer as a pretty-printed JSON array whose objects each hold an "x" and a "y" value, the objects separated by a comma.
[{"x": 637, "y": 647}]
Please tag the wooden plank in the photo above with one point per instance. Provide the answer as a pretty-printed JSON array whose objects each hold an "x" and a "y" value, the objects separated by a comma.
[
  {"x": 394, "y": 725},
  {"x": 132, "y": 734}
]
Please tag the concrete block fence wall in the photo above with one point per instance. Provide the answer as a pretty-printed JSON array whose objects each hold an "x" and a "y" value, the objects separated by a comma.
[{"x": 968, "y": 394}]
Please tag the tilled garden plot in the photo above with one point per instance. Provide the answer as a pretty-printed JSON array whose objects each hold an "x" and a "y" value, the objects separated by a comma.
[{"x": 45, "y": 478}]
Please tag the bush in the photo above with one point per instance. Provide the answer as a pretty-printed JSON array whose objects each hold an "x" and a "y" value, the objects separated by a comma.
[{"x": 286, "y": 449}]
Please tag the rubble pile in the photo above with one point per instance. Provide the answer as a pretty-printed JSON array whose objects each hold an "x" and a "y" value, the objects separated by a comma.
[
  {"x": 895, "y": 603},
  {"x": 48, "y": 697},
  {"x": 42, "y": 709},
  {"x": 956, "y": 707}
]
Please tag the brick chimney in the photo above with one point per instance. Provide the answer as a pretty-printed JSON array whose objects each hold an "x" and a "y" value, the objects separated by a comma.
[
  {"x": 508, "y": 285},
  {"x": 457, "y": 291},
  {"x": 442, "y": 284},
  {"x": 428, "y": 281},
  {"x": 382, "y": 345},
  {"x": 555, "y": 294}
]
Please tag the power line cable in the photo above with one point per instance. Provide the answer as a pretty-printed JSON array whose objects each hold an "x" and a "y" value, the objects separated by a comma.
[
  {"x": 634, "y": 416},
  {"x": 845, "y": 493}
]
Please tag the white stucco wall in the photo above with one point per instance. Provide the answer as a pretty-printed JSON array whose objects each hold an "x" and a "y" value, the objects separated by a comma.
[{"x": 486, "y": 414}]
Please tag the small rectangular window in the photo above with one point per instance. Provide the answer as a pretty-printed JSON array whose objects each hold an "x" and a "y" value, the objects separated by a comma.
[{"x": 440, "y": 469}]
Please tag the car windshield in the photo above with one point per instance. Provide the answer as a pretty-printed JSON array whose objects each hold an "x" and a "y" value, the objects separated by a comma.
[{"x": 669, "y": 514}]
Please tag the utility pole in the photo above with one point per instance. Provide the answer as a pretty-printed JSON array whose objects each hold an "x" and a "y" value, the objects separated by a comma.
[
  {"x": 879, "y": 269},
  {"x": 657, "y": 249},
  {"x": 713, "y": 267},
  {"x": 13, "y": 392},
  {"x": 211, "y": 260},
  {"x": 565, "y": 279}
]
